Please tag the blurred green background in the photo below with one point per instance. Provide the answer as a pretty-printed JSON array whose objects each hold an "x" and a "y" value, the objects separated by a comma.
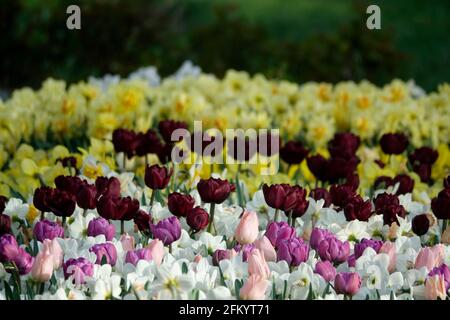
[{"x": 300, "y": 40}]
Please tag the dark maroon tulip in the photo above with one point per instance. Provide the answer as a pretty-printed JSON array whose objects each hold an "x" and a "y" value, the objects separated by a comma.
[
  {"x": 69, "y": 184},
  {"x": 214, "y": 190},
  {"x": 318, "y": 165},
  {"x": 275, "y": 195},
  {"x": 197, "y": 218},
  {"x": 125, "y": 141},
  {"x": 383, "y": 182},
  {"x": 61, "y": 203},
  {"x": 295, "y": 201},
  {"x": 180, "y": 204},
  {"x": 441, "y": 204},
  {"x": 107, "y": 187},
  {"x": 423, "y": 170},
  {"x": 357, "y": 209},
  {"x": 406, "y": 183},
  {"x": 41, "y": 198},
  {"x": 165, "y": 153},
  {"x": 394, "y": 143},
  {"x": 5, "y": 224},
  {"x": 128, "y": 208},
  {"x": 344, "y": 145},
  {"x": 117, "y": 208},
  {"x": 3, "y": 201},
  {"x": 157, "y": 177},
  {"x": 293, "y": 152},
  {"x": 68, "y": 162},
  {"x": 242, "y": 148},
  {"x": 321, "y": 193},
  {"x": 302, "y": 205},
  {"x": 148, "y": 143},
  {"x": 340, "y": 194},
  {"x": 268, "y": 144},
  {"x": 340, "y": 168},
  {"x": 142, "y": 220},
  {"x": 352, "y": 180},
  {"x": 420, "y": 224},
  {"x": 86, "y": 196},
  {"x": 423, "y": 155},
  {"x": 386, "y": 199},
  {"x": 167, "y": 127},
  {"x": 389, "y": 206}
]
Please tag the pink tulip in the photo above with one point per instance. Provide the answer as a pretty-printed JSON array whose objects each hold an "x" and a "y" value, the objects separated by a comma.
[
  {"x": 42, "y": 269},
  {"x": 435, "y": 288},
  {"x": 439, "y": 254},
  {"x": 254, "y": 288},
  {"x": 266, "y": 248},
  {"x": 389, "y": 249},
  {"x": 128, "y": 242},
  {"x": 197, "y": 258},
  {"x": 429, "y": 258},
  {"x": 56, "y": 252},
  {"x": 257, "y": 264},
  {"x": 247, "y": 230},
  {"x": 157, "y": 250}
]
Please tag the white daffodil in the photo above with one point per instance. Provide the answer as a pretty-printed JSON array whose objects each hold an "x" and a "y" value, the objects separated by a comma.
[
  {"x": 226, "y": 219},
  {"x": 106, "y": 289},
  {"x": 354, "y": 230},
  {"x": 300, "y": 281},
  {"x": 171, "y": 283},
  {"x": 375, "y": 226},
  {"x": 219, "y": 293},
  {"x": 20, "y": 211},
  {"x": 79, "y": 223},
  {"x": 233, "y": 269}
]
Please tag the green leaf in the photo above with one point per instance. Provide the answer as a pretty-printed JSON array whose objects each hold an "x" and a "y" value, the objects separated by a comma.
[
  {"x": 184, "y": 268},
  {"x": 8, "y": 291},
  {"x": 237, "y": 287},
  {"x": 104, "y": 260}
]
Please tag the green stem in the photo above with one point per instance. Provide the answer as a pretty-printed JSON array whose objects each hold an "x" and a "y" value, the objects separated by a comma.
[
  {"x": 444, "y": 225},
  {"x": 211, "y": 217},
  {"x": 146, "y": 160},
  {"x": 152, "y": 198},
  {"x": 122, "y": 227},
  {"x": 124, "y": 164},
  {"x": 42, "y": 215},
  {"x": 290, "y": 218},
  {"x": 170, "y": 248},
  {"x": 277, "y": 214},
  {"x": 63, "y": 221},
  {"x": 84, "y": 213}
]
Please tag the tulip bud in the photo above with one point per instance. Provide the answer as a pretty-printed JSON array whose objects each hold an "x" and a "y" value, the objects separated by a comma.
[
  {"x": 279, "y": 231},
  {"x": 167, "y": 230},
  {"x": 156, "y": 248},
  {"x": 294, "y": 251},
  {"x": 326, "y": 270},
  {"x": 105, "y": 251},
  {"x": 86, "y": 196},
  {"x": 180, "y": 204},
  {"x": 46, "y": 229},
  {"x": 247, "y": 229},
  {"x": 23, "y": 261},
  {"x": 393, "y": 143},
  {"x": 107, "y": 187},
  {"x": 293, "y": 152},
  {"x": 257, "y": 264},
  {"x": 142, "y": 220},
  {"x": 42, "y": 269},
  {"x": 167, "y": 127},
  {"x": 254, "y": 288},
  {"x": 420, "y": 224},
  {"x": 425, "y": 258},
  {"x": 441, "y": 204},
  {"x": 214, "y": 190},
  {"x": 275, "y": 195},
  {"x": 347, "y": 283},
  {"x": 99, "y": 226},
  {"x": 197, "y": 218},
  {"x": 127, "y": 241},
  {"x": 157, "y": 177},
  {"x": 41, "y": 198},
  {"x": 9, "y": 249},
  {"x": 266, "y": 247}
]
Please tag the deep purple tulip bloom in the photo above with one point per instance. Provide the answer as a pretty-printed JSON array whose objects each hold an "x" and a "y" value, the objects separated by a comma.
[
  {"x": 9, "y": 249},
  {"x": 46, "y": 229},
  {"x": 80, "y": 268},
  {"x": 279, "y": 231},
  {"x": 326, "y": 270},
  {"x": 294, "y": 251},
  {"x": 246, "y": 250},
  {"x": 167, "y": 230},
  {"x": 105, "y": 250},
  {"x": 366, "y": 243},
  {"x": 133, "y": 256},
  {"x": 219, "y": 255},
  {"x": 347, "y": 283},
  {"x": 334, "y": 250},
  {"x": 24, "y": 261},
  {"x": 317, "y": 235},
  {"x": 99, "y": 226}
]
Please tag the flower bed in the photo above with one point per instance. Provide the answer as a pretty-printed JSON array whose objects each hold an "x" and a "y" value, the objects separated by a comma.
[{"x": 94, "y": 208}]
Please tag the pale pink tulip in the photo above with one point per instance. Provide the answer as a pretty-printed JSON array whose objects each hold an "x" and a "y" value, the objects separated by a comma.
[
  {"x": 257, "y": 264},
  {"x": 435, "y": 288},
  {"x": 42, "y": 269},
  {"x": 128, "y": 242},
  {"x": 425, "y": 258},
  {"x": 56, "y": 252},
  {"x": 389, "y": 249},
  {"x": 254, "y": 288},
  {"x": 439, "y": 254},
  {"x": 247, "y": 230},
  {"x": 157, "y": 250},
  {"x": 197, "y": 258},
  {"x": 266, "y": 248}
]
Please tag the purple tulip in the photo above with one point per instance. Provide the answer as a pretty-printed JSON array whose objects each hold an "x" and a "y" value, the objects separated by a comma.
[
  {"x": 246, "y": 250},
  {"x": 347, "y": 283},
  {"x": 326, "y": 270},
  {"x": 219, "y": 255},
  {"x": 133, "y": 256},
  {"x": 105, "y": 250},
  {"x": 351, "y": 261},
  {"x": 23, "y": 261},
  {"x": 9, "y": 249},
  {"x": 334, "y": 250},
  {"x": 100, "y": 226},
  {"x": 80, "y": 268},
  {"x": 294, "y": 251},
  {"x": 366, "y": 243},
  {"x": 46, "y": 229},
  {"x": 317, "y": 235},
  {"x": 444, "y": 271},
  {"x": 167, "y": 230},
  {"x": 277, "y": 232}
]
